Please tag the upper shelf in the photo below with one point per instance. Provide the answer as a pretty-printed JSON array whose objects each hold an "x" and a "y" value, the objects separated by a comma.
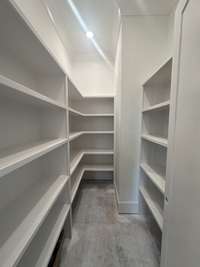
[
  {"x": 161, "y": 75},
  {"x": 20, "y": 92},
  {"x": 78, "y": 113},
  {"x": 11, "y": 159},
  {"x": 157, "y": 140}
]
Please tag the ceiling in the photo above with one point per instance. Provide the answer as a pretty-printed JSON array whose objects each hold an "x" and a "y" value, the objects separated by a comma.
[
  {"x": 146, "y": 7},
  {"x": 102, "y": 17}
]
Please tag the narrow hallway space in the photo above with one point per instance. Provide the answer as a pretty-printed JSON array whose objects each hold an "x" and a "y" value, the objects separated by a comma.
[{"x": 103, "y": 238}]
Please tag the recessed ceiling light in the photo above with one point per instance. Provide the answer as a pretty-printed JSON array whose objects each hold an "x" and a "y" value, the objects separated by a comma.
[{"x": 90, "y": 35}]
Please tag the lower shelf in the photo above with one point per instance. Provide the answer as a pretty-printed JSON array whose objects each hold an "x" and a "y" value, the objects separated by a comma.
[
  {"x": 20, "y": 222},
  {"x": 153, "y": 207},
  {"x": 83, "y": 169},
  {"x": 40, "y": 251},
  {"x": 76, "y": 160},
  {"x": 156, "y": 179},
  {"x": 77, "y": 184}
]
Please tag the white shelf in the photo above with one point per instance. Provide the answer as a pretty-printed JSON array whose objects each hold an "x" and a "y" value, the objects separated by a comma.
[
  {"x": 98, "y": 168},
  {"x": 76, "y": 160},
  {"x": 20, "y": 92},
  {"x": 11, "y": 159},
  {"x": 75, "y": 112},
  {"x": 77, "y": 184},
  {"x": 46, "y": 241},
  {"x": 55, "y": 230},
  {"x": 153, "y": 207},
  {"x": 37, "y": 201},
  {"x": 159, "y": 69},
  {"x": 158, "y": 107},
  {"x": 98, "y": 132},
  {"x": 75, "y": 135},
  {"x": 78, "y": 113},
  {"x": 157, "y": 140},
  {"x": 157, "y": 179},
  {"x": 98, "y": 152},
  {"x": 94, "y": 168}
]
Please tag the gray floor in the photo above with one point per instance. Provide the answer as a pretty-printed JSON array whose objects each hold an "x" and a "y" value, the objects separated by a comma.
[{"x": 102, "y": 238}]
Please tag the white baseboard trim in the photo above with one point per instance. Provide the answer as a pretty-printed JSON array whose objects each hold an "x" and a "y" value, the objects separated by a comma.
[{"x": 126, "y": 207}]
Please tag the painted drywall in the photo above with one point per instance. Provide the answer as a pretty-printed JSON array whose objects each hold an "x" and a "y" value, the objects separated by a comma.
[
  {"x": 145, "y": 45},
  {"x": 117, "y": 111},
  {"x": 93, "y": 76}
]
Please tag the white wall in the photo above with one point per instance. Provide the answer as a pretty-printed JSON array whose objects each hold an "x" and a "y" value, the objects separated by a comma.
[
  {"x": 93, "y": 76},
  {"x": 118, "y": 92},
  {"x": 145, "y": 45}
]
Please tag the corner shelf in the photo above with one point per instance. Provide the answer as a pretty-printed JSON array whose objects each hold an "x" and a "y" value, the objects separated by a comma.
[
  {"x": 11, "y": 159},
  {"x": 153, "y": 207},
  {"x": 157, "y": 179},
  {"x": 156, "y": 140},
  {"x": 90, "y": 168},
  {"x": 41, "y": 197},
  {"x": 76, "y": 160}
]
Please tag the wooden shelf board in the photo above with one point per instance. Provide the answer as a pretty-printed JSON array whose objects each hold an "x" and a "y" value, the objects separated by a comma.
[
  {"x": 37, "y": 201},
  {"x": 153, "y": 207},
  {"x": 158, "y": 107},
  {"x": 156, "y": 140},
  {"x": 157, "y": 179},
  {"x": 11, "y": 159},
  {"x": 19, "y": 92}
]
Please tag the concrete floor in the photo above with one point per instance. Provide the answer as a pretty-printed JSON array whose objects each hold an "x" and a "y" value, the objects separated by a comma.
[{"x": 102, "y": 238}]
